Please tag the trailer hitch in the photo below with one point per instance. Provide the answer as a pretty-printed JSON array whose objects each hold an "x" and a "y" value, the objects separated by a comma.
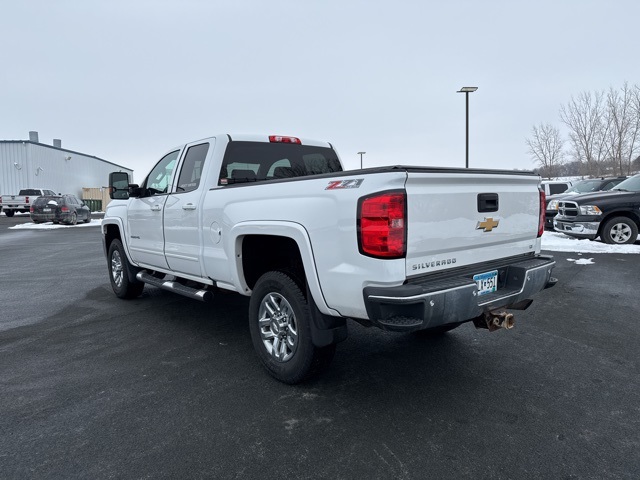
[{"x": 495, "y": 320}]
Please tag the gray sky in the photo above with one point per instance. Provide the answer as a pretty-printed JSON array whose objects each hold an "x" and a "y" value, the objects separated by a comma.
[{"x": 127, "y": 80}]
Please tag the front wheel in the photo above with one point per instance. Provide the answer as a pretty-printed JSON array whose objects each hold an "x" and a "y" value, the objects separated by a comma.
[
  {"x": 619, "y": 231},
  {"x": 280, "y": 326},
  {"x": 118, "y": 266}
]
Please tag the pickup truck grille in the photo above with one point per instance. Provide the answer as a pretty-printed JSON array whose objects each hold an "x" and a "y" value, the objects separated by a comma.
[{"x": 568, "y": 209}]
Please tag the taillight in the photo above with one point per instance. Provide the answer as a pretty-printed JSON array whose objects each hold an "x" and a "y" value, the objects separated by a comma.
[
  {"x": 64, "y": 209},
  {"x": 543, "y": 209},
  {"x": 31, "y": 209},
  {"x": 281, "y": 139},
  {"x": 26, "y": 199},
  {"x": 382, "y": 225}
]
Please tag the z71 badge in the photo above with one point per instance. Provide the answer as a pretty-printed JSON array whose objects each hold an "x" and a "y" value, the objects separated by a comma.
[{"x": 340, "y": 184}]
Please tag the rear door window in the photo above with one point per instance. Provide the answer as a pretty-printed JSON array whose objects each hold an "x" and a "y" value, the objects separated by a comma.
[{"x": 191, "y": 171}]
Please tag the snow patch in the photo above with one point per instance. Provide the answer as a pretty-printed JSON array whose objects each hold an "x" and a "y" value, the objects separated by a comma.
[
  {"x": 51, "y": 226},
  {"x": 582, "y": 261},
  {"x": 559, "y": 242}
]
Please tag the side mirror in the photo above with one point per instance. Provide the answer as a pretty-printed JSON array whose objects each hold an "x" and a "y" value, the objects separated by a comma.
[
  {"x": 119, "y": 186},
  {"x": 135, "y": 191}
]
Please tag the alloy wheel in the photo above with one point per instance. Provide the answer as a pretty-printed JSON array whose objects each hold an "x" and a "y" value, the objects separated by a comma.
[{"x": 278, "y": 327}]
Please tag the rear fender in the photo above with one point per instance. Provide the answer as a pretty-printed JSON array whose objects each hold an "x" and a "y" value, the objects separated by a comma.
[{"x": 291, "y": 230}]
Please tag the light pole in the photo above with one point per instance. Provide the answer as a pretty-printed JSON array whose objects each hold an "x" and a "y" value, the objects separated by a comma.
[
  {"x": 361, "y": 153},
  {"x": 467, "y": 91}
]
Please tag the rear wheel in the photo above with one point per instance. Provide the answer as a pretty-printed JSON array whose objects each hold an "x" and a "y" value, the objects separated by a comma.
[
  {"x": 619, "y": 231},
  {"x": 73, "y": 220},
  {"x": 9, "y": 213},
  {"x": 280, "y": 326},
  {"x": 118, "y": 273}
]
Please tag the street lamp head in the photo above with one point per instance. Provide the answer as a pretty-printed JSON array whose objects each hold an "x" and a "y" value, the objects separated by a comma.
[
  {"x": 467, "y": 89},
  {"x": 361, "y": 153}
]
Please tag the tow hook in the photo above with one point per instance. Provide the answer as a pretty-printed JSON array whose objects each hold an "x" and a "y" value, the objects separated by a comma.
[{"x": 495, "y": 320}]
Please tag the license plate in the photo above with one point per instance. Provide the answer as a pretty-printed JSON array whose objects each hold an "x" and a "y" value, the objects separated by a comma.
[
  {"x": 486, "y": 282},
  {"x": 46, "y": 209}
]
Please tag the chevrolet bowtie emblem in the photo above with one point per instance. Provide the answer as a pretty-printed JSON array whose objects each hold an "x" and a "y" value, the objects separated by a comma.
[{"x": 488, "y": 224}]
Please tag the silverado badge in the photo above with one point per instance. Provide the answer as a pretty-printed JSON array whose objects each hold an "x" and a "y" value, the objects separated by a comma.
[{"x": 488, "y": 224}]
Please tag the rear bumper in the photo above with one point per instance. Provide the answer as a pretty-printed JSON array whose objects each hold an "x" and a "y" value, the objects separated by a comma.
[
  {"x": 439, "y": 300},
  {"x": 51, "y": 217}
]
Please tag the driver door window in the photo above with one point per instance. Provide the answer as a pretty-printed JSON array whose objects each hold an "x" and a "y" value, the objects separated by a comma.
[{"x": 158, "y": 180}]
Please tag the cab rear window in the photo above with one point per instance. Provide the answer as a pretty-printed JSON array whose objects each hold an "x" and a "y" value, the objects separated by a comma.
[{"x": 258, "y": 161}]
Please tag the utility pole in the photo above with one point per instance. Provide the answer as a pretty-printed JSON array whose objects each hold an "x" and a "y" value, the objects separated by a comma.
[
  {"x": 361, "y": 153},
  {"x": 467, "y": 91}
]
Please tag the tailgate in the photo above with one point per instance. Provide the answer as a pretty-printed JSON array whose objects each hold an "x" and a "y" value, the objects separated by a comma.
[{"x": 460, "y": 218}]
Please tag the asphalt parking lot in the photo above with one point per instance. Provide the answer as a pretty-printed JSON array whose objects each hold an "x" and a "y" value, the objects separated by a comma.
[{"x": 166, "y": 387}]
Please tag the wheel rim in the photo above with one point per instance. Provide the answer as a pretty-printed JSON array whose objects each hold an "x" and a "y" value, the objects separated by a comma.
[
  {"x": 278, "y": 327},
  {"x": 620, "y": 233},
  {"x": 116, "y": 268}
]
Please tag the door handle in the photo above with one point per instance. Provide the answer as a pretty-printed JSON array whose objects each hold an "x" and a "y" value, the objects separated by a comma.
[
  {"x": 188, "y": 206},
  {"x": 156, "y": 208}
]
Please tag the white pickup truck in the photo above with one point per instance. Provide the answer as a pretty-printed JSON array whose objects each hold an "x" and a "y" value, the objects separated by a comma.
[
  {"x": 275, "y": 218},
  {"x": 21, "y": 203}
]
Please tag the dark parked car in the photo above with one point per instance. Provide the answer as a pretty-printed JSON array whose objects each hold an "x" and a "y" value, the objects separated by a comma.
[
  {"x": 60, "y": 209},
  {"x": 583, "y": 186},
  {"x": 614, "y": 216}
]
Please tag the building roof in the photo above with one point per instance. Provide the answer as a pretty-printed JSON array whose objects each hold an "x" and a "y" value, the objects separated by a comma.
[{"x": 65, "y": 150}]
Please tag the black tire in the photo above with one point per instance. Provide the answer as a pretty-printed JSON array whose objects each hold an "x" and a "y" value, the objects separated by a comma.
[
  {"x": 619, "y": 231},
  {"x": 9, "y": 213},
  {"x": 118, "y": 265},
  {"x": 291, "y": 321}
]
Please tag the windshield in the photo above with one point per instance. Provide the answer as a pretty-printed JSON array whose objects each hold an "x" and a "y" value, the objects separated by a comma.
[
  {"x": 630, "y": 184},
  {"x": 585, "y": 186}
]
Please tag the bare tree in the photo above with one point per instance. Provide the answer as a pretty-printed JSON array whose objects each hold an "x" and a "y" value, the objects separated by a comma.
[
  {"x": 634, "y": 135},
  {"x": 623, "y": 115},
  {"x": 589, "y": 127},
  {"x": 546, "y": 148}
]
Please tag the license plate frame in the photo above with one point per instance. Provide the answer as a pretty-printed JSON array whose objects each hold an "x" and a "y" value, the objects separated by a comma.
[
  {"x": 46, "y": 210},
  {"x": 486, "y": 282}
]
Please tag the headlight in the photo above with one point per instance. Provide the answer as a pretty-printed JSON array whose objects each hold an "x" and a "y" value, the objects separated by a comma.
[
  {"x": 553, "y": 205},
  {"x": 590, "y": 210}
]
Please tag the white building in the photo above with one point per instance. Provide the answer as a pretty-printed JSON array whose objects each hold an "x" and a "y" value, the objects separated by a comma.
[{"x": 31, "y": 164}]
